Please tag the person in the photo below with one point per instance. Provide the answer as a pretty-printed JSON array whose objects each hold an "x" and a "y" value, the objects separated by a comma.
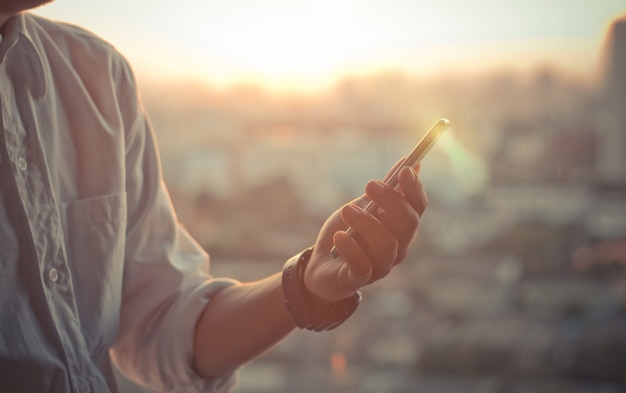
[{"x": 95, "y": 269}]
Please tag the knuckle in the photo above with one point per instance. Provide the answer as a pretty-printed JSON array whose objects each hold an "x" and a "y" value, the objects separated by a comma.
[
  {"x": 413, "y": 219},
  {"x": 381, "y": 271},
  {"x": 424, "y": 202},
  {"x": 400, "y": 257},
  {"x": 391, "y": 251}
]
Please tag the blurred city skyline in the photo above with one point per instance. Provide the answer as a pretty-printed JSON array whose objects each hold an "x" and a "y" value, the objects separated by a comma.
[
  {"x": 310, "y": 45},
  {"x": 517, "y": 281}
]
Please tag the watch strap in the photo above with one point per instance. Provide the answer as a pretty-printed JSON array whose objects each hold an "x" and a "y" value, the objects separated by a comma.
[{"x": 308, "y": 310}]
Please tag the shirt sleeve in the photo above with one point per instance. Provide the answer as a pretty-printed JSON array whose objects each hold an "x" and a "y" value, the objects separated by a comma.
[{"x": 166, "y": 284}]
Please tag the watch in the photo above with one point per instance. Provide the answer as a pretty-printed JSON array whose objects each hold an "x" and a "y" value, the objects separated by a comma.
[{"x": 308, "y": 310}]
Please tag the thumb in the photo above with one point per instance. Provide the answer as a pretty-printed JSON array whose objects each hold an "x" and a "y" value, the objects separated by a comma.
[{"x": 356, "y": 271}]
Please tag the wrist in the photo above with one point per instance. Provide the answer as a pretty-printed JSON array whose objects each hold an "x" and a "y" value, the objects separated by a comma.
[{"x": 308, "y": 310}]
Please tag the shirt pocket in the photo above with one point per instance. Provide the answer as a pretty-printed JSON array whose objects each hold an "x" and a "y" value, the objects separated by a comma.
[{"x": 94, "y": 230}]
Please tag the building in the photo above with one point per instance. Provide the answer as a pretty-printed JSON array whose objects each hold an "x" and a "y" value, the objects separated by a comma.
[
  {"x": 610, "y": 191},
  {"x": 611, "y": 153}
]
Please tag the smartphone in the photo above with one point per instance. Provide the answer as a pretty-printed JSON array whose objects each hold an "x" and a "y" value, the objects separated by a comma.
[{"x": 418, "y": 152}]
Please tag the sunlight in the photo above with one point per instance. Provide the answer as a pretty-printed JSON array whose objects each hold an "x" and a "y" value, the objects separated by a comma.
[
  {"x": 332, "y": 5},
  {"x": 274, "y": 53},
  {"x": 470, "y": 172},
  {"x": 315, "y": 43},
  {"x": 310, "y": 44},
  {"x": 279, "y": 50}
]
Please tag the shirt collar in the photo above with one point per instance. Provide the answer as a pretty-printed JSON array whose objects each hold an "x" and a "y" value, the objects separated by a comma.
[{"x": 18, "y": 41}]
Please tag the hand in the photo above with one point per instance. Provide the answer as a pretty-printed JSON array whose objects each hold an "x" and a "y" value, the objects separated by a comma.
[{"x": 378, "y": 241}]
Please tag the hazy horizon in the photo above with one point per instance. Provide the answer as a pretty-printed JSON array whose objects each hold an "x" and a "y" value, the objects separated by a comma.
[{"x": 310, "y": 45}]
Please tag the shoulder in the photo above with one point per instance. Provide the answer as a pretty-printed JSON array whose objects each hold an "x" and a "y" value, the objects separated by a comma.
[
  {"x": 78, "y": 60},
  {"x": 63, "y": 33},
  {"x": 77, "y": 45},
  {"x": 93, "y": 60}
]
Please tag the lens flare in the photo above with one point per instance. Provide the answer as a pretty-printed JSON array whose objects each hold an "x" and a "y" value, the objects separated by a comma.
[
  {"x": 453, "y": 172},
  {"x": 469, "y": 170}
]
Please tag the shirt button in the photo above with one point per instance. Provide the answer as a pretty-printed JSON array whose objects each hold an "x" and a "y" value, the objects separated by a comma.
[
  {"x": 53, "y": 275},
  {"x": 21, "y": 164}
]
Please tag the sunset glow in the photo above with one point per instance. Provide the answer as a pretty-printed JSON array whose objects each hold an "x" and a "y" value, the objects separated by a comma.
[{"x": 309, "y": 44}]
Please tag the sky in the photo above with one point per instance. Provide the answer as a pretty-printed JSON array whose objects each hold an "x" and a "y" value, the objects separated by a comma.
[{"x": 309, "y": 44}]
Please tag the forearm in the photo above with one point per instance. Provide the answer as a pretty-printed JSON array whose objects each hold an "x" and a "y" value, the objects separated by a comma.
[{"x": 240, "y": 323}]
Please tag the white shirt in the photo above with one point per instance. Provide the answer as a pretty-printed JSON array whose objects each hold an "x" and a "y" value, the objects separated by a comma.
[{"x": 101, "y": 268}]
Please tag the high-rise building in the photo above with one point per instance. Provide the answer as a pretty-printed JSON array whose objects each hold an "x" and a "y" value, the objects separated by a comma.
[
  {"x": 605, "y": 217},
  {"x": 611, "y": 153}
]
